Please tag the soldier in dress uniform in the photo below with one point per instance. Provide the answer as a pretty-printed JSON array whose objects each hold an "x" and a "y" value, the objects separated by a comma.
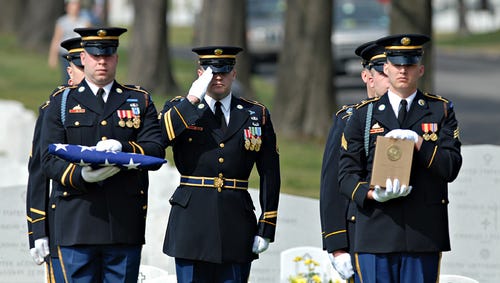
[
  {"x": 38, "y": 215},
  {"x": 216, "y": 139},
  {"x": 100, "y": 212},
  {"x": 333, "y": 205},
  {"x": 401, "y": 229}
]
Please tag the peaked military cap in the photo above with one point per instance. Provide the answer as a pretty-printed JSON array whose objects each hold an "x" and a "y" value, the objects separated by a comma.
[
  {"x": 360, "y": 48},
  {"x": 74, "y": 48},
  {"x": 100, "y": 41},
  {"x": 374, "y": 54},
  {"x": 220, "y": 59},
  {"x": 404, "y": 49}
]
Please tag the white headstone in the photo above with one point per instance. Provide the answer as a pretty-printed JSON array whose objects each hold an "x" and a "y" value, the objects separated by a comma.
[{"x": 474, "y": 212}]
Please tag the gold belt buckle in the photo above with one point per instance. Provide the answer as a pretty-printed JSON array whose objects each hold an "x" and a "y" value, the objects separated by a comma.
[{"x": 219, "y": 182}]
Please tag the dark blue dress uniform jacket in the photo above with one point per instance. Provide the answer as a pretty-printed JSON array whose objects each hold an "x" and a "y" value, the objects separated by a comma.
[
  {"x": 112, "y": 211},
  {"x": 205, "y": 224},
  {"x": 37, "y": 193},
  {"x": 419, "y": 221},
  {"x": 333, "y": 205}
]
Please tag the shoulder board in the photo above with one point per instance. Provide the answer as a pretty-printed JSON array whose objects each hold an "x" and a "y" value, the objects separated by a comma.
[
  {"x": 45, "y": 104},
  {"x": 61, "y": 89},
  {"x": 136, "y": 88},
  {"x": 177, "y": 98},
  {"x": 345, "y": 108},
  {"x": 259, "y": 105},
  {"x": 437, "y": 97},
  {"x": 366, "y": 102}
]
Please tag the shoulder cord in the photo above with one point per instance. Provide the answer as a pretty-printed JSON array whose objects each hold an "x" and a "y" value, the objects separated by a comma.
[
  {"x": 369, "y": 112},
  {"x": 63, "y": 105}
]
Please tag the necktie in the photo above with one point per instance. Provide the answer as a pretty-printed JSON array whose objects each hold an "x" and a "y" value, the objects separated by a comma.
[
  {"x": 402, "y": 112},
  {"x": 220, "y": 116},
  {"x": 100, "y": 99}
]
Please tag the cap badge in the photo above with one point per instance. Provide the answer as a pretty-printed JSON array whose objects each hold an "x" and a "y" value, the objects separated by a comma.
[
  {"x": 405, "y": 41},
  {"x": 101, "y": 33},
  {"x": 218, "y": 51}
]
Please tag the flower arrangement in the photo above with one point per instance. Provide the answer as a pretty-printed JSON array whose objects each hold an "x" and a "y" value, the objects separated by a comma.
[{"x": 309, "y": 274}]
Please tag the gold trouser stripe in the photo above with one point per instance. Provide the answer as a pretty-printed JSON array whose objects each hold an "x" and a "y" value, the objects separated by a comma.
[
  {"x": 439, "y": 267},
  {"x": 356, "y": 259},
  {"x": 47, "y": 272},
  {"x": 61, "y": 261},
  {"x": 52, "y": 278}
]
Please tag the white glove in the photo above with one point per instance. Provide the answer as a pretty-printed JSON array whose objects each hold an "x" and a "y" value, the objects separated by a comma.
[
  {"x": 342, "y": 263},
  {"x": 36, "y": 257},
  {"x": 42, "y": 249},
  {"x": 95, "y": 175},
  {"x": 392, "y": 190},
  {"x": 260, "y": 244},
  {"x": 199, "y": 87},
  {"x": 109, "y": 145},
  {"x": 403, "y": 134}
]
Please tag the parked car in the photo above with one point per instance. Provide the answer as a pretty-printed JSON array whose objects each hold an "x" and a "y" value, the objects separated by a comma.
[{"x": 355, "y": 22}]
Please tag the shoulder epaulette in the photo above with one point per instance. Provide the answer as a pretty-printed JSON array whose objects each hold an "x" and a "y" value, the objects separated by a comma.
[
  {"x": 177, "y": 98},
  {"x": 136, "y": 88},
  {"x": 61, "y": 89},
  {"x": 346, "y": 108},
  {"x": 45, "y": 104},
  {"x": 262, "y": 106},
  {"x": 437, "y": 97},
  {"x": 366, "y": 102}
]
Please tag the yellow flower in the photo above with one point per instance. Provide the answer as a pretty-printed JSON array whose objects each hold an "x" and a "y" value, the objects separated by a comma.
[
  {"x": 316, "y": 278},
  {"x": 308, "y": 261},
  {"x": 297, "y": 258}
]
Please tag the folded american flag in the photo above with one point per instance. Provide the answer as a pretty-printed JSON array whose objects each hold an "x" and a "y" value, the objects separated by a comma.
[{"x": 87, "y": 155}]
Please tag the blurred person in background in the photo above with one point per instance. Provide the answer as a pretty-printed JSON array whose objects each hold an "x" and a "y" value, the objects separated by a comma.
[{"x": 63, "y": 30}]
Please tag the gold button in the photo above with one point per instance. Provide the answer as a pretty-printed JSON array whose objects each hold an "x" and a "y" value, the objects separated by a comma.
[
  {"x": 53, "y": 206},
  {"x": 104, "y": 138},
  {"x": 142, "y": 192},
  {"x": 65, "y": 193},
  {"x": 353, "y": 218},
  {"x": 77, "y": 123},
  {"x": 221, "y": 145},
  {"x": 221, "y": 160},
  {"x": 190, "y": 139},
  {"x": 104, "y": 123},
  {"x": 145, "y": 207},
  {"x": 443, "y": 201}
]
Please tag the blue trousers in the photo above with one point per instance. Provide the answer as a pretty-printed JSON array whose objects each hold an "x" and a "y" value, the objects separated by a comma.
[
  {"x": 189, "y": 271},
  {"x": 100, "y": 263},
  {"x": 397, "y": 267},
  {"x": 54, "y": 270}
]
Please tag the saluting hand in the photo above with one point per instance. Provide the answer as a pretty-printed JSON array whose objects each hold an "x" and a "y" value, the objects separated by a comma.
[{"x": 199, "y": 87}]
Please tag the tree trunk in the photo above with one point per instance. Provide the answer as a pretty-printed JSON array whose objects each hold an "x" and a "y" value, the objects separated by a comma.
[
  {"x": 38, "y": 20},
  {"x": 463, "y": 28},
  {"x": 149, "y": 60},
  {"x": 11, "y": 15},
  {"x": 223, "y": 22},
  {"x": 305, "y": 97},
  {"x": 416, "y": 17}
]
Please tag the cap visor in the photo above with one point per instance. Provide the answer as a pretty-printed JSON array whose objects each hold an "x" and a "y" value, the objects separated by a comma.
[
  {"x": 404, "y": 60},
  {"x": 379, "y": 68},
  {"x": 100, "y": 51},
  {"x": 219, "y": 69}
]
